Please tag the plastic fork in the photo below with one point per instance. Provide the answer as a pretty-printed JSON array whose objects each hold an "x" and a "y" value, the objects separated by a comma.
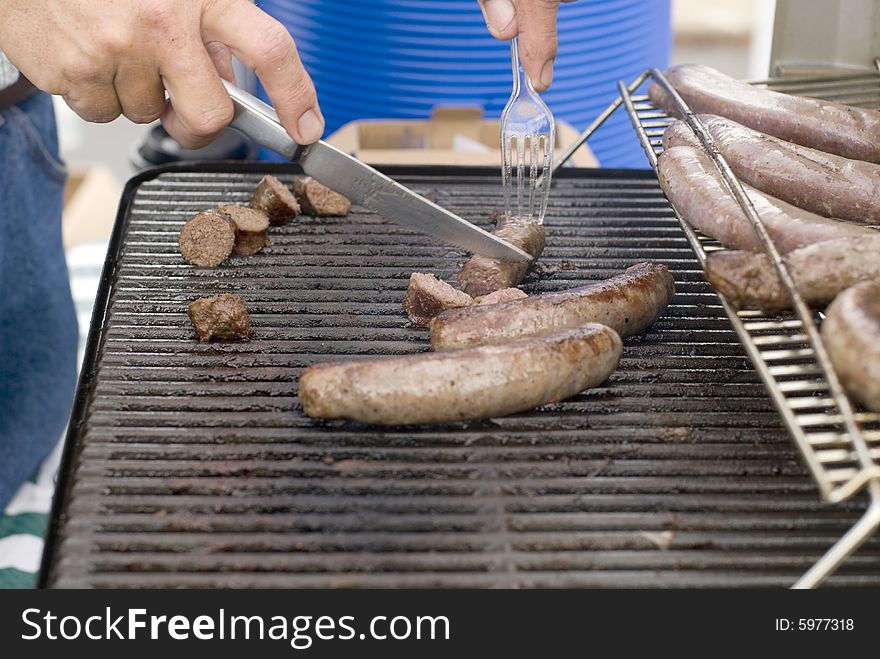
[{"x": 528, "y": 133}]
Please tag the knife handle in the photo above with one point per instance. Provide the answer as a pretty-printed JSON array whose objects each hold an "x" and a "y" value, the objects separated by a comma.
[{"x": 260, "y": 122}]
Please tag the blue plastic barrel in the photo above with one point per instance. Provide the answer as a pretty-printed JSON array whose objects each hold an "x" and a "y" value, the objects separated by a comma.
[{"x": 400, "y": 58}]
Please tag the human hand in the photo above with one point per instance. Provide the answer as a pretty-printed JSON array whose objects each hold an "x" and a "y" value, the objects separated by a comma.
[
  {"x": 112, "y": 58},
  {"x": 534, "y": 22}
]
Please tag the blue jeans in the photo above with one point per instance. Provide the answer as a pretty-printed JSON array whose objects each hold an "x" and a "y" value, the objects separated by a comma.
[{"x": 38, "y": 330}]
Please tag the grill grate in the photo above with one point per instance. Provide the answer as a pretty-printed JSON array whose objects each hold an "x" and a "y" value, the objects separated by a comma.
[{"x": 192, "y": 465}]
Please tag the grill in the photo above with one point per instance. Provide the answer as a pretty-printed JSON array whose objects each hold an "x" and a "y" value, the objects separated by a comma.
[{"x": 192, "y": 465}]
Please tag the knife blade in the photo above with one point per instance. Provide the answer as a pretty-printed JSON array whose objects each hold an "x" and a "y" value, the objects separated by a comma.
[{"x": 364, "y": 185}]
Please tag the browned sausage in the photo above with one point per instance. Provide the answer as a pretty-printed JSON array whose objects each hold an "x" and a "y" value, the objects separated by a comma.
[
  {"x": 627, "y": 303},
  {"x": 820, "y": 182},
  {"x": 479, "y": 383},
  {"x": 276, "y": 200},
  {"x": 695, "y": 187},
  {"x": 851, "y": 333},
  {"x": 482, "y": 275},
  {"x": 830, "y": 127},
  {"x": 207, "y": 239},
  {"x": 426, "y": 296},
  {"x": 820, "y": 271}
]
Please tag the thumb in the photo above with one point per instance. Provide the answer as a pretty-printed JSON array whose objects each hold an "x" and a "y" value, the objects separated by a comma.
[{"x": 500, "y": 17}]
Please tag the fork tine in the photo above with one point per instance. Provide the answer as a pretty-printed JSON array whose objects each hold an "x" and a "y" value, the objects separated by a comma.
[
  {"x": 520, "y": 172},
  {"x": 534, "y": 141}
]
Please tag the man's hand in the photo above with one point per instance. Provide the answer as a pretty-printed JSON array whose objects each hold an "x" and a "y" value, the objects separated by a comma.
[
  {"x": 120, "y": 56},
  {"x": 534, "y": 22}
]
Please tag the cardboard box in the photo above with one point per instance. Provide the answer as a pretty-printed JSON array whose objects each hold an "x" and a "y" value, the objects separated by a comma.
[
  {"x": 91, "y": 198},
  {"x": 453, "y": 136}
]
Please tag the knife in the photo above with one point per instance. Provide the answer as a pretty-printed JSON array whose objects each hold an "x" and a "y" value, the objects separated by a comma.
[{"x": 362, "y": 184}]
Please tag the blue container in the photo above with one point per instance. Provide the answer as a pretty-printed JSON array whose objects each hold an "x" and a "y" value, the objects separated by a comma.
[{"x": 400, "y": 58}]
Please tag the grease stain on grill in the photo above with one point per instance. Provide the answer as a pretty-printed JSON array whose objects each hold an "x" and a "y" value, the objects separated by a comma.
[{"x": 193, "y": 466}]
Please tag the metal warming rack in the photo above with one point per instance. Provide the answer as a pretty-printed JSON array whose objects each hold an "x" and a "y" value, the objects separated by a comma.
[{"x": 840, "y": 444}]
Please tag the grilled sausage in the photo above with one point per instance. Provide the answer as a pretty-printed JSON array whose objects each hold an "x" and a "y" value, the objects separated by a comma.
[
  {"x": 276, "y": 200},
  {"x": 695, "y": 187},
  {"x": 207, "y": 239},
  {"x": 482, "y": 275},
  {"x": 627, "y": 303},
  {"x": 851, "y": 333},
  {"x": 830, "y": 127},
  {"x": 820, "y": 272},
  {"x": 221, "y": 318},
  {"x": 426, "y": 296},
  {"x": 251, "y": 225},
  {"x": 479, "y": 383},
  {"x": 317, "y": 199},
  {"x": 819, "y": 182}
]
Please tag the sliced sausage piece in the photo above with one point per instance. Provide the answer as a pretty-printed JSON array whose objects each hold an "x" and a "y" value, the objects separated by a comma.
[
  {"x": 276, "y": 200},
  {"x": 482, "y": 275},
  {"x": 627, "y": 303},
  {"x": 221, "y": 318},
  {"x": 252, "y": 226},
  {"x": 819, "y": 182},
  {"x": 504, "y": 295},
  {"x": 824, "y": 125},
  {"x": 695, "y": 187},
  {"x": 479, "y": 383},
  {"x": 207, "y": 239},
  {"x": 317, "y": 199},
  {"x": 820, "y": 272},
  {"x": 851, "y": 333},
  {"x": 426, "y": 296}
]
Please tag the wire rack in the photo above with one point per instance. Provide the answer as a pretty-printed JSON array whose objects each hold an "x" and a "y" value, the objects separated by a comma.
[{"x": 840, "y": 443}]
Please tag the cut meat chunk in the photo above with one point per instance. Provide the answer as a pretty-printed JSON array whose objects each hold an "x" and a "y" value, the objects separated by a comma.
[
  {"x": 503, "y": 295},
  {"x": 426, "y": 296},
  {"x": 252, "y": 226},
  {"x": 221, "y": 318},
  {"x": 207, "y": 239},
  {"x": 317, "y": 199},
  {"x": 482, "y": 275},
  {"x": 276, "y": 200}
]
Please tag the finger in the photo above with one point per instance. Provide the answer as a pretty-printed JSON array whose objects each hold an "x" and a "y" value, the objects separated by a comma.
[
  {"x": 537, "y": 39},
  {"x": 500, "y": 17},
  {"x": 140, "y": 92},
  {"x": 266, "y": 46},
  {"x": 94, "y": 101},
  {"x": 199, "y": 106},
  {"x": 222, "y": 58}
]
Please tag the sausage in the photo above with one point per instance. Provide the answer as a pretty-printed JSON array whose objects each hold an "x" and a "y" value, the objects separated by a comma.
[
  {"x": 276, "y": 200},
  {"x": 627, "y": 303},
  {"x": 851, "y": 334},
  {"x": 820, "y": 272},
  {"x": 479, "y": 383},
  {"x": 222, "y": 318},
  {"x": 251, "y": 227},
  {"x": 502, "y": 295},
  {"x": 482, "y": 275},
  {"x": 207, "y": 239},
  {"x": 694, "y": 186},
  {"x": 317, "y": 199},
  {"x": 824, "y": 125},
  {"x": 819, "y": 182},
  {"x": 426, "y": 296}
]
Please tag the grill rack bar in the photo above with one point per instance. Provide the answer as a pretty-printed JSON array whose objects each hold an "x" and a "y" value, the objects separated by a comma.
[{"x": 818, "y": 434}]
